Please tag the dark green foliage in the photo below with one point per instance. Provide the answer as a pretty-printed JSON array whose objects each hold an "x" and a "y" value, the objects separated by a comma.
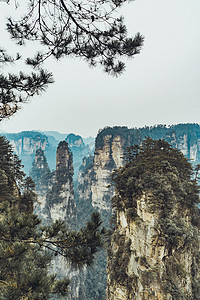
[
  {"x": 61, "y": 287},
  {"x": 165, "y": 177},
  {"x": 145, "y": 173},
  {"x": 64, "y": 29},
  {"x": 26, "y": 247},
  {"x": 120, "y": 259},
  {"x": 76, "y": 30},
  {"x": 17, "y": 89},
  {"x": 130, "y": 136},
  {"x": 23, "y": 271},
  {"x": 79, "y": 247}
]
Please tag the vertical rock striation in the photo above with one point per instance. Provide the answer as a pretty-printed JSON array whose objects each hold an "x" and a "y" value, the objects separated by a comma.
[
  {"x": 26, "y": 143},
  {"x": 60, "y": 199},
  {"x": 92, "y": 192},
  {"x": 56, "y": 201},
  {"x": 43, "y": 178},
  {"x": 55, "y": 189},
  {"x": 110, "y": 146},
  {"x": 154, "y": 249},
  {"x": 79, "y": 150}
]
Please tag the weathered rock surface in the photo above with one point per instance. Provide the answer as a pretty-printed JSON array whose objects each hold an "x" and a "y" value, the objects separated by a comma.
[
  {"x": 26, "y": 143},
  {"x": 154, "y": 249},
  {"x": 56, "y": 201},
  {"x": 55, "y": 189},
  {"x": 79, "y": 150},
  {"x": 110, "y": 145}
]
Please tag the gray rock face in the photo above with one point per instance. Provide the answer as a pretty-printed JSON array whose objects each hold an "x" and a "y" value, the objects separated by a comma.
[
  {"x": 79, "y": 150},
  {"x": 56, "y": 201},
  {"x": 110, "y": 146},
  {"x": 140, "y": 265},
  {"x": 94, "y": 176},
  {"x": 26, "y": 143},
  {"x": 154, "y": 248},
  {"x": 55, "y": 189},
  {"x": 56, "y": 192}
]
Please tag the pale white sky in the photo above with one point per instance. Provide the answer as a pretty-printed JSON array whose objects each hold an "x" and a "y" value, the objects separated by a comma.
[{"x": 160, "y": 85}]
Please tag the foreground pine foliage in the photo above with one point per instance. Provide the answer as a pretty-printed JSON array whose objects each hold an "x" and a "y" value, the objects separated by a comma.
[{"x": 26, "y": 247}]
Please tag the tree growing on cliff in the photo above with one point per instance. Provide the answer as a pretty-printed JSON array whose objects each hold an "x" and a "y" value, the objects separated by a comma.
[
  {"x": 156, "y": 198},
  {"x": 91, "y": 30},
  {"x": 26, "y": 247}
]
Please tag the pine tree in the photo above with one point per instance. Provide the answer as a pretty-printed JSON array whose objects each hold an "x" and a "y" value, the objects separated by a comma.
[
  {"x": 26, "y": 247},
  {"x": 156, "y": 198},
  {"x": 91, "y": 30}
]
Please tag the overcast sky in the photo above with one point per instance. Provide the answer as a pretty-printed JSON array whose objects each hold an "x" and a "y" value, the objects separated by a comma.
[{"x": 161, "y": 85}]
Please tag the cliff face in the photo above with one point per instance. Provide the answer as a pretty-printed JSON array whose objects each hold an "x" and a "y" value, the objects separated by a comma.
[
  {"x": 108, "y": 155},
  {"x": 55, "y": 189},
  {"x": 142, "y": 266},
  {"x": 106, "y": 159},
  {"x": 26, "y": 143},
  {"x": 93, "y": 193},
  {"x": 155, "y": 244},
  {"x": 110, "y": 146},
  {"x": 79, "y": 150},
  {"x": 43, "y": 178},
  {"x": 56, "y": 201},
  {"x": 61, "y": 198}
]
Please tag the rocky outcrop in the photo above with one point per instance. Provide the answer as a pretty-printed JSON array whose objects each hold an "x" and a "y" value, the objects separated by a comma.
[
  {"x": 55, "y": 189},
  {"x": 26, "y": 143},
  {"x": 43, "y": 178},
  {"x": 93, "y": 192},
  {"x": 154, "y": 248},
  {"x": 79, "y": 150},
  {"x": 110, "y": 147},
  {"x": 56, "y": 201},
  {"x": 106, "y": 159},
  {"x": 60, "y": 199}
]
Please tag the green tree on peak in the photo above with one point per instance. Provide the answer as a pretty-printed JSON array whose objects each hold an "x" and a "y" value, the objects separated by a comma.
[{"x": 148, "y": 164}]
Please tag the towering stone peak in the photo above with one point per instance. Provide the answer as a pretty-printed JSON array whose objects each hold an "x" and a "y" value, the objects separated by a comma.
[
  {"x": 155, "y": 244},
  {"x": 40, "y": 161},
  {"x": 111, "y": 144},
  {"x": 109, "y": 148},
  {"x": 64, "y": 160},
  {"x": 55, "y": 189},
  {"x": 75, "y": 141},
  {"x": 40, "y": 171},
  {"x": 56, "y": 201},
  {"x": 79, "y": 150}
]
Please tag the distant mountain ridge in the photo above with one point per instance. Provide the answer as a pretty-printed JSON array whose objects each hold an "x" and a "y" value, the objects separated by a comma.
[{"x": 26, "y": 143}]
